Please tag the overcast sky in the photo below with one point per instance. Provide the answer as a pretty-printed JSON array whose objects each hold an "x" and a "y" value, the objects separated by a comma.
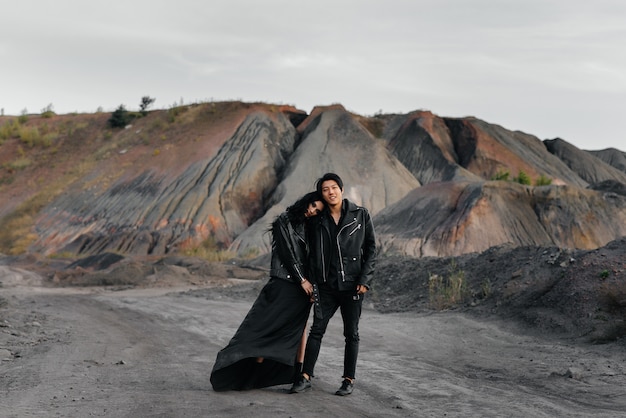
[{"x": 550, "y": 68}]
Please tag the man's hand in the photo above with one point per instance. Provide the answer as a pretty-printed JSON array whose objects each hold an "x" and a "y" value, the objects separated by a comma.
[{"x": 361, "y": 289}]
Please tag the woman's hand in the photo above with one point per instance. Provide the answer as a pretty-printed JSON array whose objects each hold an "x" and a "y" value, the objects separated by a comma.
[
  {"x": 307, "y": 287},
  {"x": 361, "y": 289}
]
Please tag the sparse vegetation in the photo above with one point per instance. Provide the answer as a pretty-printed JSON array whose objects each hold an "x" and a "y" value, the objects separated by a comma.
[
  {"x": 47, "y": 112},
  {"x": 9, "y": 129},
  {"x": 486, "y": 288},
  {"x": 446, "y": 292},
  {"x": 23, "y": 117},
  {"x": 146, "y": 102},
  {"x": 29, "y": 135},
  {"x": 209, "y": 250},
  {"x": 374, "y": 125},
  {"x": 502, "y": 175},
  {"x": 542, "y": 180},
  {"x": 522, "y": 178},
  {"x": 120, "y": 118},
  {"x": 174, "y": 111},
  {"x": 16, "y": 229},
  {"x": 62, "y": 254},
  {"x": 250, "y": 252},
  {"x": 20, "y": 163}
]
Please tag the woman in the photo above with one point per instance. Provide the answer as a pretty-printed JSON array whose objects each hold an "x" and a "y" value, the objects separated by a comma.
[{"x": 265, "y": 349}]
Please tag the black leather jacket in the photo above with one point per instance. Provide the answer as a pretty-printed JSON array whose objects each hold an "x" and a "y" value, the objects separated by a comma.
[
  {"x": 357, "y": 247},
  {"x": 289, "y": 250}
]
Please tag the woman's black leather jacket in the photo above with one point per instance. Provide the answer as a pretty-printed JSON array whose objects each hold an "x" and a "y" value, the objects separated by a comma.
[{"x": 289, "y": 250}]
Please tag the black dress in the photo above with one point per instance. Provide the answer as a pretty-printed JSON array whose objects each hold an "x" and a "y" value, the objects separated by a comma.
[{"x": 272, "y": 329}]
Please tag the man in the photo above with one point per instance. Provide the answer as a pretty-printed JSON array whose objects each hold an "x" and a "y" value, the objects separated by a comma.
[{"x": 342, "y": 257}]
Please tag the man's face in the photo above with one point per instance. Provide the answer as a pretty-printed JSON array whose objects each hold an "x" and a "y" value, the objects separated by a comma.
[{"x": 331, "y": 193}]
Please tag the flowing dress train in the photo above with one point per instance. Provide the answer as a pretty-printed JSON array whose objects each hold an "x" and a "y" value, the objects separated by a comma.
[{"x": 272, "y": 329}]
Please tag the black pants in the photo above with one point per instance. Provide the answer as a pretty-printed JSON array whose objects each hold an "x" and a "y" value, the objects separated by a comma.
[{"x": 330, "y": 301}]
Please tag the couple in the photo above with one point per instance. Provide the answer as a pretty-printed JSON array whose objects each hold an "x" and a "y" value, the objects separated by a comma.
[{"x": 323, "y": 251}]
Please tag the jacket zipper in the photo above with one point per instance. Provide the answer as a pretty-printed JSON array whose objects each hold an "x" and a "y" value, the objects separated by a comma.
[{"x": 343, "y": 273}]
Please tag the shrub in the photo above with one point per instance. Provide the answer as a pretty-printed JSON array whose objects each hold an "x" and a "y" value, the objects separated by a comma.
[
  {"x": 501, "y": 175},
  {"x": 120, "y": 118},
  {"x": 522, "y": 178},
  {"x": 9, "y": 129},
  {"x": 486, "y": 288},
  {"x": 543, "y": 181},
  {"x": 210, "y": 251},
  {"x": 49, "y": 138},
  {"x": 23, "y": 117},
  {"x": 174, "y": 111},
  {"x": 47, "y": 111},
  {"x": 146, "y": 102},
  {"x": 29, "y": 135},
  {"x": 443, "y": 292}
]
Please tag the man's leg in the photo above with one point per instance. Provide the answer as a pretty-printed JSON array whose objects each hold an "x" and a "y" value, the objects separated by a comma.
[{"x": 350, "y": 314}]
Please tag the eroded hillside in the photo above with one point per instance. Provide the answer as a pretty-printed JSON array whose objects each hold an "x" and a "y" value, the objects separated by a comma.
[{"x": 214, "y": 175}]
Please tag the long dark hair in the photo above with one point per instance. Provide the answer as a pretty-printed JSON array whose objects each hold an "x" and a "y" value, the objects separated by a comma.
[{"x": 296, "y": 211}]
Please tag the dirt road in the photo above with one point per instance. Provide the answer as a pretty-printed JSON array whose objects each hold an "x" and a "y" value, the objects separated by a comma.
[{"x": 148, "y": 353}]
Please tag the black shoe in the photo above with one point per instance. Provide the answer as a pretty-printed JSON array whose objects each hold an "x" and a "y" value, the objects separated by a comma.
[
  {"x": 297, "y": 372},
  {"x": 346, "y": 388},
  {"x": 301, "y": 385}
]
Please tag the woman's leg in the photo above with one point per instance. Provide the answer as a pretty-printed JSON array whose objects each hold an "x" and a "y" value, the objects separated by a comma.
[{"x": 302, "y": 346}]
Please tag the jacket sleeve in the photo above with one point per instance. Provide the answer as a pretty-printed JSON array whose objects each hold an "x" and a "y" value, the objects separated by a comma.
[
  {"x": 283, "y": 245},
  {"x": 368, "y": 251}
]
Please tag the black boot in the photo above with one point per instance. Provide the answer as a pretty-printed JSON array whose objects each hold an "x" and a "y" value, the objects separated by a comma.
[{"x": 297, "y": 371}]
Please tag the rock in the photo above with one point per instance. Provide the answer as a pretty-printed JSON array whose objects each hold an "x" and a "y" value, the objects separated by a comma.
[
  {"x": 574, "y": 373},
  {"x": 5, "y": 355},
  {"x": 586, "y": 165},
  {"x": 452, "y": 218}
]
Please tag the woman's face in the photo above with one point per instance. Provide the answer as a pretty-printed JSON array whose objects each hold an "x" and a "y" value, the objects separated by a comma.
[{"x": 314, "y": 209}]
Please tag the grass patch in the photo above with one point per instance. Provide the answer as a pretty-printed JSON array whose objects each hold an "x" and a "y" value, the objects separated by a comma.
[
  {"x": 209, "y": 250},
  {"x": 20, "y": 164},
  {"x": 17, "y": 228},
  {"x": 9, "y": 129},
  {"x": 446, "y": 292}
]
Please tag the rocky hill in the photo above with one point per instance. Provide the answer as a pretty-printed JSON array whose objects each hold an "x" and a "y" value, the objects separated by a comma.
[{"x": 215, "y": 174}]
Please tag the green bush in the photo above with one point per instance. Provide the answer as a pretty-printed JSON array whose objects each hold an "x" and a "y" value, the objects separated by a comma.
[
  {"x": 23, "y": 118},
  {"x": 522, "y": 178},
  {"x": 146, "y": 102},
  {"x": 501, "y": 175},
  {"x": 120, "y": 118},
  {"x": 29, "y": 135},
  {"x": 9, "y": 129},
  {"x": 543, "y": 181},
  {"x": 47, "y": 111}
]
